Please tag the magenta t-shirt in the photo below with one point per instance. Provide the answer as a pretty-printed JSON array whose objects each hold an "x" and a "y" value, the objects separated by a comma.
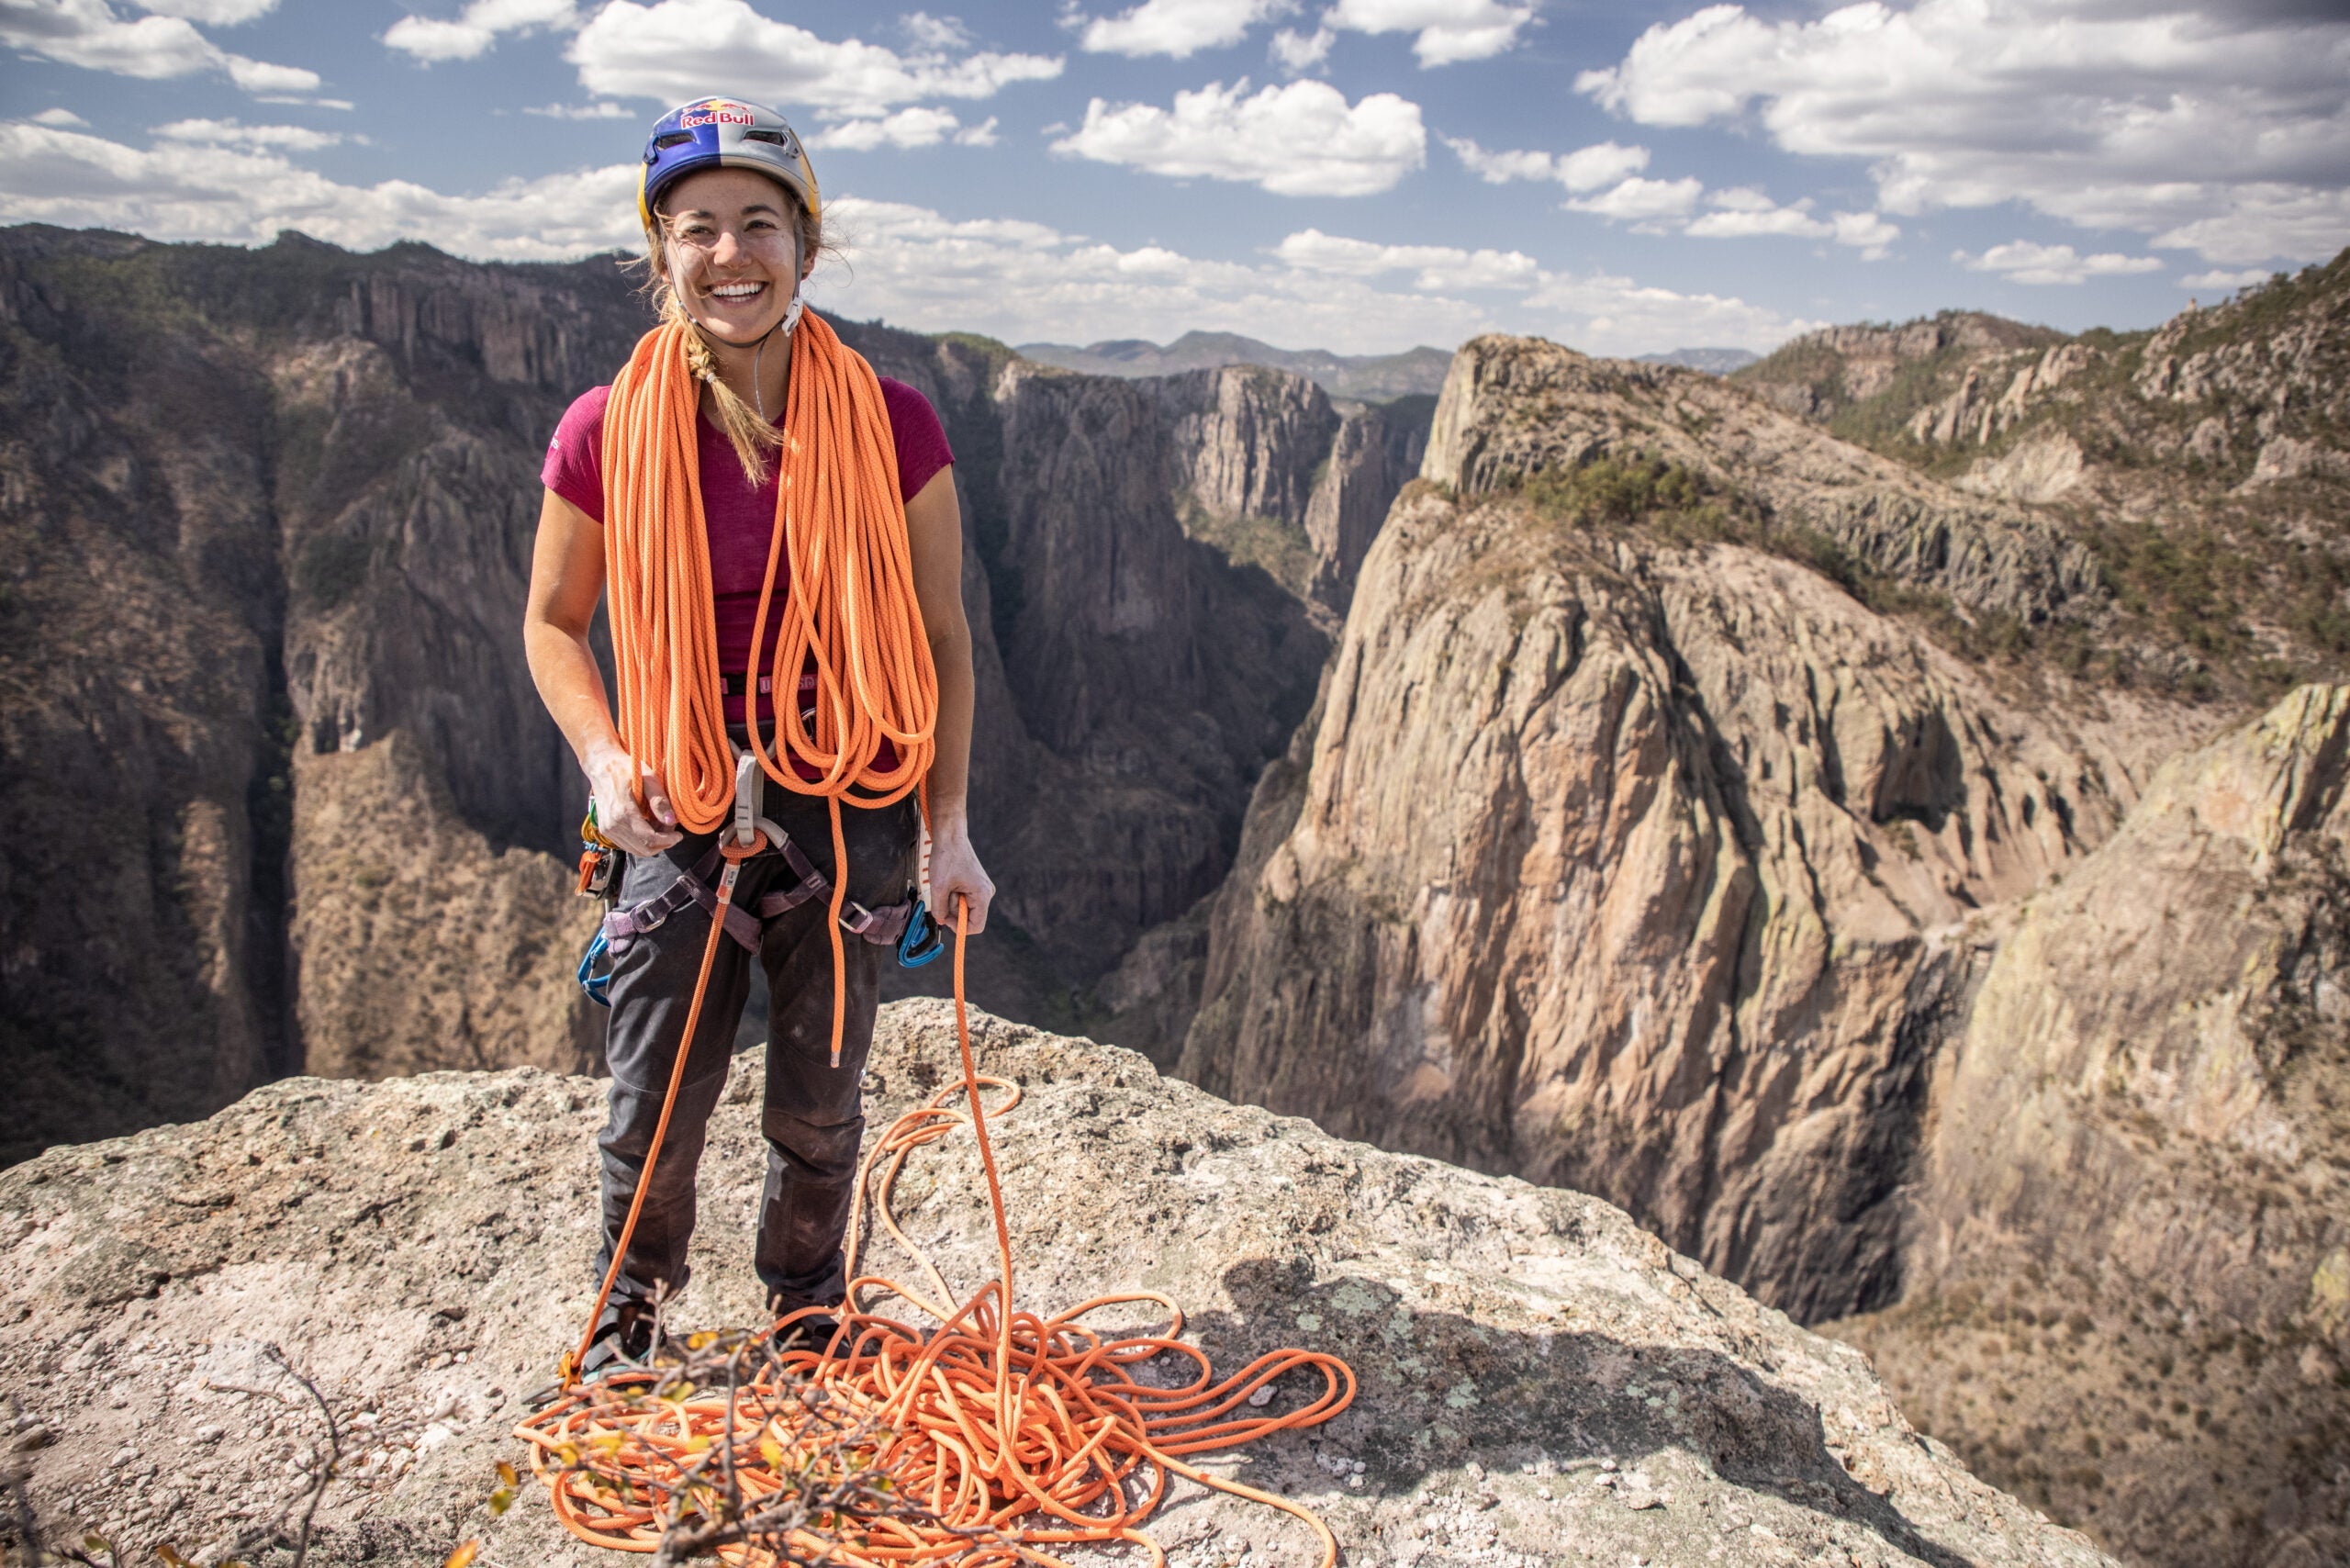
[{"x": 740, "y": 520}]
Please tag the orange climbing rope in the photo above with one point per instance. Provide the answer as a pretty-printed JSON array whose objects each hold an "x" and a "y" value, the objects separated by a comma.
[
  {"x": 850, "y": 615},
  {"x": 1017, "y": 1433}
]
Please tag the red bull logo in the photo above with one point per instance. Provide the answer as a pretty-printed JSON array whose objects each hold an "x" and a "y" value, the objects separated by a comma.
[{"x": 718, "y": 111}]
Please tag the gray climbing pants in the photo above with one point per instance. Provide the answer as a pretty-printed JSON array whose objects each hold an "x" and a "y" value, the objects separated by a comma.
[{"x": 811, "y": 1112}]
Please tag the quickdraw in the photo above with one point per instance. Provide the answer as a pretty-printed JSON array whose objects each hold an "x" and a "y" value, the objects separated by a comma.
[{"x": 598, "y": 855}]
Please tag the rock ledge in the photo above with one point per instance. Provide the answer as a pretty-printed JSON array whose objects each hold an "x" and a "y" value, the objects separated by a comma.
[{"x": 1542, "y": 1382}]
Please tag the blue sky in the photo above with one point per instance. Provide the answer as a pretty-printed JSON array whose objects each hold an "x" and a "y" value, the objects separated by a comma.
[{"x": 1356, "y": 174}]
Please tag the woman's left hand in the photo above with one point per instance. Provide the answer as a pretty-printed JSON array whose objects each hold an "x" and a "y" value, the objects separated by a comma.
[{"x": 956, "y": 873}]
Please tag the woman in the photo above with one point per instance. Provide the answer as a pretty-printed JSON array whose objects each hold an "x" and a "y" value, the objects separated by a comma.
[{"x": 706, "y": 518}]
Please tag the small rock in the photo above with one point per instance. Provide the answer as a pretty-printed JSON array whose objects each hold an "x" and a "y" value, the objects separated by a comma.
[
  {"x": 210, "y": 1434},
  {"x": 1262, "y": 1397}
]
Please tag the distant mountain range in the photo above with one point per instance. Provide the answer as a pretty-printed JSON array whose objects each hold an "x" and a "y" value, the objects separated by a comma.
[
  {"x": 1374, "y": 378},
  {"x": 1712, "y": 362}
]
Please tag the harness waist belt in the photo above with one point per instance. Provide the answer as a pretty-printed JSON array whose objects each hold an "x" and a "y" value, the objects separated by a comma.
[{"x": 882, "y": 927}]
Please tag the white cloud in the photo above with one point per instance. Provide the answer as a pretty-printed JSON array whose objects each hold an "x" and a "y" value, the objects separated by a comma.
[
  {"x": 1435, "y": 266},
  {"x": 87, "y": 33},
  {"x": 212, "y": 13},
  {"x": 1742, "y": 212},
  {"x": 2226, "y": 281},
  {"x": 2025, "y": 261},
  {"x": 476, "y": 27},
  {"x": 65, "y": 118},
  {"x": 1449, "y": 31},
  {"x": 936, "y": 32},
  {"x": 1867, "y": 230},
  {"x": 292, "y": 137},
  {"x": 1617, "y": 315},
  {"x": 190, "y": 190},
  {"x": 1297, "y": 52},
  {"x": 1601, "y": 163},
  {"x": 1650, "y": 205},
  {"x": 1658, "y": 207},
  {"x": 919, "y": 127},
  {"x": 1303, "y": 139},
  {"x": 1500, "y": 168},
  {"x": 1015, "y": 279},
  {"x": 1178, "y": 28},
  {"x": 1020, "y": 281},
  {"x": 1585, "y": 169},
  {"x": 2217, "y": 127},
  {"x": 675, "y": 49}
]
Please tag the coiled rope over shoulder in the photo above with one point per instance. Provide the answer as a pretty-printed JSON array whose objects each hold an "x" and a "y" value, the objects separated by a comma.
[{"x": 850, "y": 616}]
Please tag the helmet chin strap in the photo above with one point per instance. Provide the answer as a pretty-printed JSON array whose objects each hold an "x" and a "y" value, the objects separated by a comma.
[{"x": 791, "y": 320}]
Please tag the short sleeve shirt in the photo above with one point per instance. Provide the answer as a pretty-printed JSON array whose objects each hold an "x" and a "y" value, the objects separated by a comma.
[{"x": 740, "y": 518}]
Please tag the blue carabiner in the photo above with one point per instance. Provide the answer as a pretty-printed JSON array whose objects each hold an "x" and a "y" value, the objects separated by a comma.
[
  {"x": 597, "y": 986},
  {"x": 922, "y": 940}
]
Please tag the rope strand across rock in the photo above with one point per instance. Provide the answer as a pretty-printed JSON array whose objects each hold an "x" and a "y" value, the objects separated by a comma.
[{"x": 1018, "y": 1433}]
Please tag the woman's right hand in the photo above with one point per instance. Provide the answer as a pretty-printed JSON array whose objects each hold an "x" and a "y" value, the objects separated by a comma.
[{"x": 645, "y": 830}]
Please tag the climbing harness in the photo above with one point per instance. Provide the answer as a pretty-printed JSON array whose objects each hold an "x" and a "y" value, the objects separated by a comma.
[
  {"x": 894, "y": 926},
  {"x": 1016, "y": 1432},
  {"x": 863, "y": 735}
]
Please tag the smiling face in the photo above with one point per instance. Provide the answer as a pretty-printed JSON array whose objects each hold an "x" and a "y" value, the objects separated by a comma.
[{"x": 731, "y": 250}]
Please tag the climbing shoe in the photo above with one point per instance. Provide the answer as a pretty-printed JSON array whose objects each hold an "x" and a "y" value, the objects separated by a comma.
[{"x": 626, "y": 1335}]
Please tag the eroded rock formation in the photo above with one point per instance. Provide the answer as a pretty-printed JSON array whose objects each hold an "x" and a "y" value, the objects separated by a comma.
[
  {"x": 1637, "y": 871},
  {"x": 2129, "y": 1282},
  {"x": 1515, "y": 408},
  {"x": 1538, "y": 1378}
]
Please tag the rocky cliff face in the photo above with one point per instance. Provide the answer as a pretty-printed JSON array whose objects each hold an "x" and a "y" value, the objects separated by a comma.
[
  {"x": 2200, "y": 464},
  {"x": 271, "y": 510},
  {"x": 289, "y": 516},
  {"x": 1540, "y": 1380},
  {"x": 1269, "y": 468},
  {"x": 2129, "y": 1289},
  {"x": 1821, "y": 375},
  {"x": 1637, "y": 870},
  {"x": 1515, "y": 409},
  {"x": 1623, "y": 854}
]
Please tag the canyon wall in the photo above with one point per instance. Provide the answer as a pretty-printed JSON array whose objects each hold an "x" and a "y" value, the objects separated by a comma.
[
  {"x": 2129, "y": 1285},
  {"x": 272, "y": 515},
  {"x": 1848, "y": 864},
  {"x": 1640, "y": 871}
]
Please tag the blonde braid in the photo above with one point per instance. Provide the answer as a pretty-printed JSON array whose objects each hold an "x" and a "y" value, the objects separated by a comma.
[{"x": 751, "y": 436}]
